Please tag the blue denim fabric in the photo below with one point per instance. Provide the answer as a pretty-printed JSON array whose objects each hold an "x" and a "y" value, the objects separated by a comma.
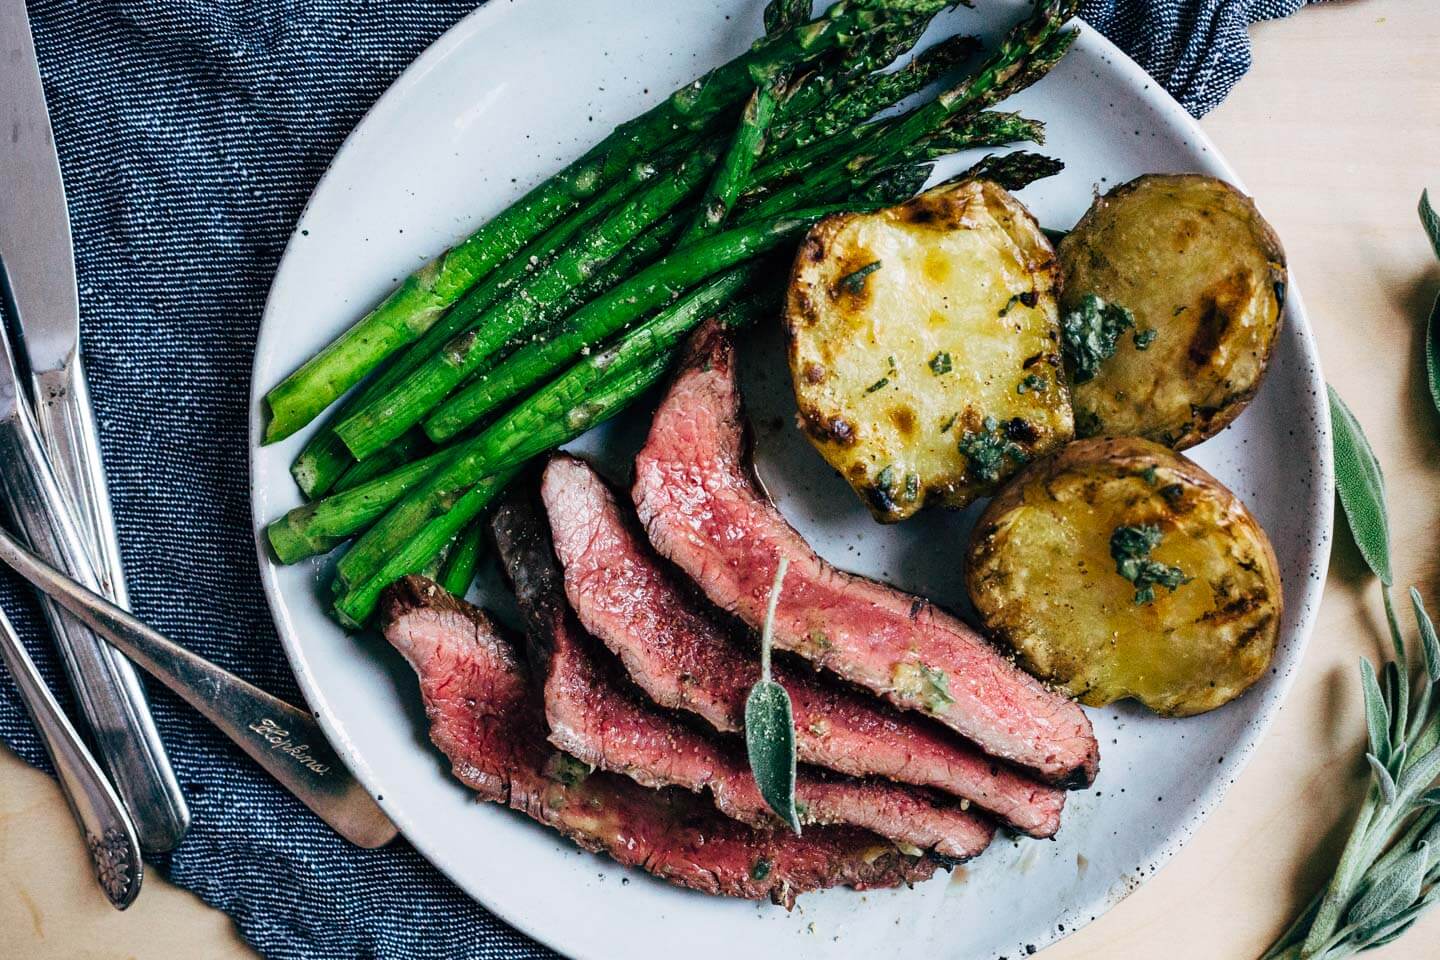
[{"x": 190, "y": 133}]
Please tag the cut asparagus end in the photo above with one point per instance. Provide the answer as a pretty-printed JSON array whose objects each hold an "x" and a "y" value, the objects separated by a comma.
[{"x": 291, "y": 544}]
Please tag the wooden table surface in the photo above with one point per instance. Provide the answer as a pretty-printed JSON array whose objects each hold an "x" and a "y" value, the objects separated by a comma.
[{"x": 1336, "y": 131}]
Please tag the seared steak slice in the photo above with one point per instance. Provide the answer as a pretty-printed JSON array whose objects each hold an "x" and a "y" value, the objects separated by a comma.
[
  {"x": 679, "y": 655},
  {"x": 487, "y": 719},
  {"x": 703, "y": 511},
  {"x": 595, "y": 719}
]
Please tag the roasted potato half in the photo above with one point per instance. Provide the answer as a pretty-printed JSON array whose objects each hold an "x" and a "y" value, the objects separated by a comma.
[
  {"x": 924, "y": 346},
  {"x": 1118, "y": 568},
  {"x": 1203, "y": 275}
]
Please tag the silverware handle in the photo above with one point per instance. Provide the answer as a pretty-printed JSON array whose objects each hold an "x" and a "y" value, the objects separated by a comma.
[
  {"x": 106, "y": 686},
  {"x": 285, "y": 740},
  {"x": 109, "y": 834},
  {"x": 67, "y": 429}
]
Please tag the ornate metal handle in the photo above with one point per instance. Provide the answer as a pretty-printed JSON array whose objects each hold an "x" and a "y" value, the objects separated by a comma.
[
  {"x": 109, "y": 835},
  {"x": 106, "y": 686},
  {"x": 67, "y": 429},
  {"x": 285, "y": 740}
]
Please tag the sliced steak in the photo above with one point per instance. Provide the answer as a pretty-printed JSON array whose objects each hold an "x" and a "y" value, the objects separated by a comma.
[
  {"x": 595, "y": 718},
  {"x": 698, "y": 501},
  {"x": 487, "y": 719},
  {"x": 678, "y": 654}
]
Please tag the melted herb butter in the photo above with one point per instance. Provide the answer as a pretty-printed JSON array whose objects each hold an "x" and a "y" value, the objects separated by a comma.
[
  {"x": 565, "y": 769},
  {"x": 1090, "y": 335},
  {"x": 1032, "y": 383},
  {"x": 986, "y": 451},
  {"x": 1130, "y": 548},
  {"x": 923, "y": 682}
]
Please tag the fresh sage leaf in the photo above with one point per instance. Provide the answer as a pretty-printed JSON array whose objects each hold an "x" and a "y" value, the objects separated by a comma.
[
  {"x": 1429, "y": 839},
  {"x": 1420, "y": 774},
  {"x": 1428, "y": 740},
  {"x": 1383, "y": 780},
  {"x": 1390, "y": 893},
  {"x": 1430, "y": 220},
  {"x": 1392, "y": 690},
  {"x": 770, "y": 743},
  {"x": 1390, "y": 935},
  {"x": 1377, "y": 714},
  {"x": 1430, "y": 798},
  {"x": 1361, "y": 487},
  {"x": 1432, "y": 352},
  {"x": 770, "y": 724},
  {"x": 1398, "y": 754},
  {"x": 1429, "y": 643}
]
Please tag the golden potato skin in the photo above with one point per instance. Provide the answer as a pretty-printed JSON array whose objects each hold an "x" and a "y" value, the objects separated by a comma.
[
  {"x": 893, "y": 368},
  {"x": 1040, "y": 574},
  {"x": 1193, "y": 260}
]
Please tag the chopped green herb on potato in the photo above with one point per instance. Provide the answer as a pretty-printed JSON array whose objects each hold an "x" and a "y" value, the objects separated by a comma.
[
  {"x": 1118, "y": 568},
  {"x": 965, "y": 317},
  {"x": 1201, "y": 277}
]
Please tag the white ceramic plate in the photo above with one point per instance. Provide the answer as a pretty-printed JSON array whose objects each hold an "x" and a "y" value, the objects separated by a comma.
[{"x": 499, "y": 103}]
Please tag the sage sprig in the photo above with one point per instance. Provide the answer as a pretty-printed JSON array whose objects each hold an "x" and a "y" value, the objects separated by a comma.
[
  {"x": 770, "y": 723},
  {"x": 1389, "y": 870}
]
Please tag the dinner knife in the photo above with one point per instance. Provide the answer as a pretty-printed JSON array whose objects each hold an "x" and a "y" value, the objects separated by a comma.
[
  {"x": 285, "y": 740},
  {"x": 39, "y": 267},
  {"x": 49, "y": 318},
  {"x": 109, "y": 835}
]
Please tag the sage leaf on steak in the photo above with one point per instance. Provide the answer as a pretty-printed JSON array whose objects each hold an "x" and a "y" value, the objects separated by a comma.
[
  {"x": 1361, "y": 488},
  {"x": 770, "y": 723}
]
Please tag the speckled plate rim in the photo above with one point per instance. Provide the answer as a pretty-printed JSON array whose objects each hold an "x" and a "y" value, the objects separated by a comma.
[{"x": 1305, "y": 605}]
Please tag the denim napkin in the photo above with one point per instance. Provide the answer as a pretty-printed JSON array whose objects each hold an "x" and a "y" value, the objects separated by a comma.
[{"x": 190, "y": 133}]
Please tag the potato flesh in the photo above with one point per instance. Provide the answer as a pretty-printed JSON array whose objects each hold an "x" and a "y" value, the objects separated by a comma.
[
  {"x": 1044, "y": 580},
  {"x": 869, "y": 361},
  {"x": 1192, "y": 259}
]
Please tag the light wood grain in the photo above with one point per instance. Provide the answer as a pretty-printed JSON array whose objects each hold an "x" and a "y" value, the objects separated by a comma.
[{"x": 1335, "y": 131}]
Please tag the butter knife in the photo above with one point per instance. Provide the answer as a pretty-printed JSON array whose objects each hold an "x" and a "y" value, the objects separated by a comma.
[{"x": 38, "y": 263}]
